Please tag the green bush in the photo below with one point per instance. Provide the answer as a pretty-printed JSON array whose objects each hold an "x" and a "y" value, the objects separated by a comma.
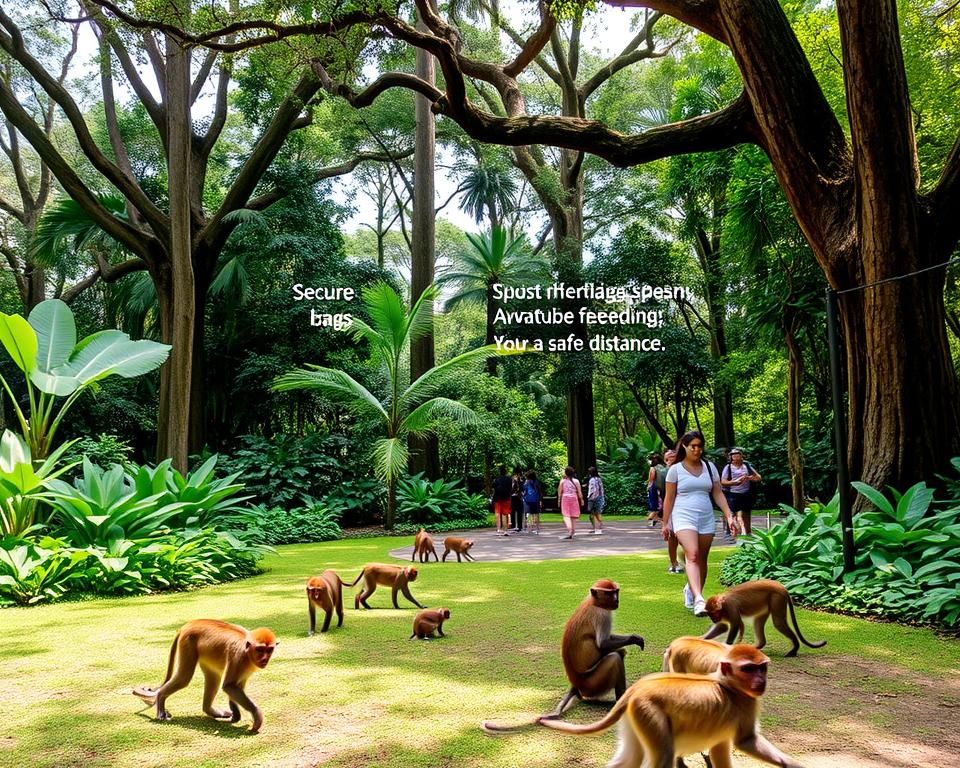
[
  {"x": 907, "y": 564},
  {"x": 275, "y": 525},
  {"x": 625, "y": 491},
  {"x": 425, "y": 502},
  {"x": 356, "y": 502},
  {"x": 102, "y": 450}
]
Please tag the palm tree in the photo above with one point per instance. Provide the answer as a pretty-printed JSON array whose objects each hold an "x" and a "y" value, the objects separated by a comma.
[
  {"x": 494, "y": 258},
  {"x": 405, "y": 410},
  {"x": 488, "y": 191}
]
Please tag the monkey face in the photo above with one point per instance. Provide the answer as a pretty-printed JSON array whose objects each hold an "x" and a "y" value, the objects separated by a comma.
[
  {"x": 411, "y": 574},
  {"x": 260, "y": 654},
  {"x": 316, "y": 593},
  {"x": 606, "y": 598},
  {"x": 714, "y": 608},
  {"x": 445, "y": 612},
  {"x": 753, "y": 677},
  {"x": 467, "y": 545}
]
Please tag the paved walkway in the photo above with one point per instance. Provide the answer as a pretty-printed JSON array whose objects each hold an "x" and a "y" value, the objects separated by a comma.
[{"x": 620, "y": 537}]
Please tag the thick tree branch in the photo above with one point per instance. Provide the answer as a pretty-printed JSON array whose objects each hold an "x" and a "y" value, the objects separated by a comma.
[
  {"x": 202, "y": 74},
  {"x": 269, "y": 198},
  {"x": 630, "y": 54},
  {"x": 944, "y": 203},
  {"x": 699, "y": 14},
  {"x": 530, "y": 50},
  {"x": 12, "y": 42},
  {"x": 107, "y": 272},
  {"x": 10, "y": 208}
]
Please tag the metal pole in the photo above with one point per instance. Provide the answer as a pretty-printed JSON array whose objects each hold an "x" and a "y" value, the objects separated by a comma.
[{"x": 840, "y": 431}]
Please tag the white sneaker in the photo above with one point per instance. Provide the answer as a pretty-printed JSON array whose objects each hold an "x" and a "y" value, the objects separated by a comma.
[
  {"x": 599, "y": 532},
  {"x": 687, "y": 597},
  {"x": 700, "y": 607}
]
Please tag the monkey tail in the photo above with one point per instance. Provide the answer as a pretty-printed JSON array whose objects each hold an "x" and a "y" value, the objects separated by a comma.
[
  {"x": 502, "y": 728},
  {"x": 793, "y": 616},
  {"x": 354, "y": 582},
  {"x": 172, "y": 659},
  {"x": 612, "y": 718}
]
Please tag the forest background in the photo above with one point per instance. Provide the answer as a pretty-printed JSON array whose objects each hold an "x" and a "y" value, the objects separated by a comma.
[{"x": 89, "y": 215}]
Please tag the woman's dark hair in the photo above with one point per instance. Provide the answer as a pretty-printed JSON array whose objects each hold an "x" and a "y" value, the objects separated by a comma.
[
  {"x": 593, "y": 471},
  {"x": 684, "y": 441},
  {"x": 503, "y": 470},
  {"x": 531, "y": 475},
  {"x": 654, "y": 459},
  {"x": 569, "y": 471}
]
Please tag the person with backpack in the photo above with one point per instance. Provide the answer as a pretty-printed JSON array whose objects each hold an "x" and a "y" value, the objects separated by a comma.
[
  {"x": 739, "y": 481},
  {"x": 692, "y": 484},
  {"x": 532, "y": 502},
  {"x": 596, "y": 501}
]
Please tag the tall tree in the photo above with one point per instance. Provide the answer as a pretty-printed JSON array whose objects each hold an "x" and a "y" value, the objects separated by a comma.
[{"x": 178, "y": 243}]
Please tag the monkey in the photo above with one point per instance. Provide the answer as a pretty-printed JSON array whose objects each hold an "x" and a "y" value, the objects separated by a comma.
[
  {"x": 669, "y": 715},
  {"x": 227, "y": 654},
  {"x": 325, "y": 590},
  {"x": 425, "y": 623},
  {"x": 758, "y": 599},
  {"x": 458, "y": 545},
  {"x": 386, "y": 575},
  {"x": 592, "y": 656},
  {"x": 423, "y": 546},
  {"x": 694, "y": 655}
]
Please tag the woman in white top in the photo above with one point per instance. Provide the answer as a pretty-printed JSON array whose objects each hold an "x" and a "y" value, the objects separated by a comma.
[{"x": 687, "y": 509}]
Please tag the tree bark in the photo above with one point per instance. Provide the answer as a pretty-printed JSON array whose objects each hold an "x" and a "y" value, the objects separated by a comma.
[
  {"x": 425, "y": 451},
  {"x": 173, "y": 431},
  {"x": 794, "y": 392}
]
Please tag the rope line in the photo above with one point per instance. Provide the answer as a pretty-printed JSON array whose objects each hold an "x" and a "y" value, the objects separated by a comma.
[{"x": 899, "y": 277}]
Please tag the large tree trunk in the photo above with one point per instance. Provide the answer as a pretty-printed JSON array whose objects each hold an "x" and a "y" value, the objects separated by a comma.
[
  {"x": 425, "y": 452},
  {"x": 178, "y": 314}
]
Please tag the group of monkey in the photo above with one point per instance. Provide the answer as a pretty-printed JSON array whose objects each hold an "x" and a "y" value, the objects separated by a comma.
[{"x": 704, "y": 700}]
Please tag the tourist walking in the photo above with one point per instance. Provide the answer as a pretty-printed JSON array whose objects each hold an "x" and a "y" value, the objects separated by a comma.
[
  {"x": 596, "y": 500},
  {"x": 692, "y": 484},
  {"x": 669, "y": 457},
  {"x": 532, "y": 502},
  {"x": 502, "y": 487},
  {"x": 739, "y": 481},
  {"x": 570, "y": 495},
  {"x": 654, "y": 497},
  {"x": 516, "y": 502}
]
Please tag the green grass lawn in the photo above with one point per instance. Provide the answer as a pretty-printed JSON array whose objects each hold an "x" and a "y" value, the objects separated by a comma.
[{"x": 364, "y": 694}]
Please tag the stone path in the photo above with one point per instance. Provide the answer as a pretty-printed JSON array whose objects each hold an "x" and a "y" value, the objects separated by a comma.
[{"x": 620, "y": 537}]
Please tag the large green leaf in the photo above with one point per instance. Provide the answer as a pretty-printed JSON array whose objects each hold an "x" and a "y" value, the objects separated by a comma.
[
  {"x": 56, "y": 333},
  {"x": 20, "y": 341},
  {"x": 111, "y": 353}
]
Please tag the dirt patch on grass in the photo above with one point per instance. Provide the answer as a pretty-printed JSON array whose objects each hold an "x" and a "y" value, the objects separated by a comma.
[
  {"x": 842, "y": 711},
  {"x": 331, "y": 733}
]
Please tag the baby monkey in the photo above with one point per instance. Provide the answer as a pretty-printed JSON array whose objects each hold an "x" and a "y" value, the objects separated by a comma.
[
  {"x": 425, "y": 623},
  {"x": 458, "y": 545}
]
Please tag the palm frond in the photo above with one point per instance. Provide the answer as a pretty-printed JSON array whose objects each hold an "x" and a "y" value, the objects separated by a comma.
[
  {"x": 334, "y": 384},
  {"x": 431, "y": 381},
  {"x": 64, "y": 221},
  {"x": 428, "y": 415},
  {"x": 390, "y": 457},
  {"x": 421, "y": 315},
  {"x": 232, "y": 280}
]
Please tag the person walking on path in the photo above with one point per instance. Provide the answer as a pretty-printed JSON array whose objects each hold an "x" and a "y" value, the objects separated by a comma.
[
  {"x": 596, "y": 500},
  {"x": 516, "y": 502},
  {"x": 739, "y": 481},
  {"x": 532, "y": 502},
  {"x": 571, "y": 500},
  {"x": 691, "y": 484},
  {"x": 669, "y": 458},
  {"x": 502, "y": 486},
  {"x": 654, "y": 497}
]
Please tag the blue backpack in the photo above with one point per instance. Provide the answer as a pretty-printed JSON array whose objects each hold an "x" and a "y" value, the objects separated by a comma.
[{"x": 531, "y": 491}]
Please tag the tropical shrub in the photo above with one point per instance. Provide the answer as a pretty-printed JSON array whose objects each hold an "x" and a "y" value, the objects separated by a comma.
[
  {"x": 625, "y": 492},
  {"x": 102, "y": 450},
  {"x": 44, "y": 347},
  {"x": 425, "y": 502},
  {"x": 356, "y": 501},
  {"x": 30, "y": 573},
  {"x": 21, "y": 484},
  {"x": 907, "y": 564},
  {"x": 280, "y": 470},
  {"x": 274, "y": 525}
]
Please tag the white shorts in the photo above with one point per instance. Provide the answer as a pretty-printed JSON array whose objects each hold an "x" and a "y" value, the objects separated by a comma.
[{"x": 703, "y": 522}]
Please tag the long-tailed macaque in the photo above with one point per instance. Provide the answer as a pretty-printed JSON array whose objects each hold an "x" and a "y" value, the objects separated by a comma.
[
  {"x": 592, "y": 655},
  {"x": 670, "y": 715},
  {"x": 425, "y": 623},
  {"x": 458, "y": 545},
  {"x": 757, "y": 599},
  {"x": 227, "y": 654},
  {"x": 392, "y": 576},
  {"x": 423, "y": 546},
  {"x": 694, "y": 655},
  {"x": 325, "y": 590}
]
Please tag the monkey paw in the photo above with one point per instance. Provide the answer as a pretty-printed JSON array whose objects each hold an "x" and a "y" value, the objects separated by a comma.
[
  {"x": 164, "y": 715},
  {"x": 220, "y": 714}
]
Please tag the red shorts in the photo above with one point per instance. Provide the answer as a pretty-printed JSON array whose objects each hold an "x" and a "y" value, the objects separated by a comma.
[{"x": 501, "y": 506}]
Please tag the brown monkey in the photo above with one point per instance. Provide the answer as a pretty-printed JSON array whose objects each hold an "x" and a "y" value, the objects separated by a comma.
[
  {"x": 325, "y": 590},
  {"x": 694, "y": 655},
  {"x": 386, "y": 575},
  {"x": 758, "y": 599},
  {"x": 425, "y": 623},
  {"x": 458, "y": 545},
  {"x": 670, "y": 715},
  {"x": 423, "y": 546},
  {"x": 592, "y": 655},
  {"x": 227, "y": 654}
]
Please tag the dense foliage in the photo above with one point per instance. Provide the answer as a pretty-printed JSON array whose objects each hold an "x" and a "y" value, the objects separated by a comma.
[{"x": 907, "y": 565}]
